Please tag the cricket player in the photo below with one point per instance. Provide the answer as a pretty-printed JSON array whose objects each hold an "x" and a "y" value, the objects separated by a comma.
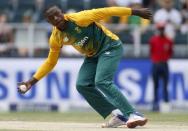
[{"x": 102, "y": 50}]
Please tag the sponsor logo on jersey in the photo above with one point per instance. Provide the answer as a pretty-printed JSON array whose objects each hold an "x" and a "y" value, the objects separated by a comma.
[{"x": 82, "y": 41}]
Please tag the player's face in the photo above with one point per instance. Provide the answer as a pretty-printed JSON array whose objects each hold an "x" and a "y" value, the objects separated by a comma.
[{"x": 55, "y": 16}]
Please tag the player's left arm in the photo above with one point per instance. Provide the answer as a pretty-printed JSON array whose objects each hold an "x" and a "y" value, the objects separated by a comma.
[
  {"x": 89, "y": 16},
  {"x": 42, "y": 71}
]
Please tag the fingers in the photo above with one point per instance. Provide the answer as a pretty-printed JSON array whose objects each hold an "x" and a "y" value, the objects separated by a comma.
[
  {"x": 148, "y": 16},
  {"x": 148, "y": 13},
  {"x": 20, "y": 83},
  {"x": 19, "y": 89}
]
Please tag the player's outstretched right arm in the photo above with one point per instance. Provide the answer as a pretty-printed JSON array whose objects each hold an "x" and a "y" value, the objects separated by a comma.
[{"x": 84, "y": 18}]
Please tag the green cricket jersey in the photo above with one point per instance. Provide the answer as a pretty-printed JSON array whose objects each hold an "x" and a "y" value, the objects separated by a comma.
[{"x": 83, "y": 32}]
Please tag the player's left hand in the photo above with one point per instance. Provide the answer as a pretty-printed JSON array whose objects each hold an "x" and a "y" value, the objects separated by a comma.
[{"x": 23, "y": 87}]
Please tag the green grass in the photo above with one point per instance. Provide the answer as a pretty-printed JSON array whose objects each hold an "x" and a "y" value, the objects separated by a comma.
[
  {"x": 157, "y": 121},
  {"x": 85, "y": 117},
  {"x": 51, "y": 117},
  {"x": 169, "y": 118}
]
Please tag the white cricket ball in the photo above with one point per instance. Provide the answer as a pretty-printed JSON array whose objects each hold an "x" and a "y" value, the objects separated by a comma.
[{"x": 23, "y": 88}]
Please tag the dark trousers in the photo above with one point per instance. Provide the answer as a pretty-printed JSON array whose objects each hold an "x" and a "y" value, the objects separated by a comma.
[{"x": 160, "y": 71}]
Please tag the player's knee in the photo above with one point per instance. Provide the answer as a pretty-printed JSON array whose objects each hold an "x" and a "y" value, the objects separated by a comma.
[
  {"x": 100, "y": 84},
  {"x": 81, "y": 86}
]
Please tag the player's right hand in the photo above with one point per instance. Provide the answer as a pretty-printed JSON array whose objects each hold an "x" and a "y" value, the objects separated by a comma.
[
  {"x": 143, "y": 12},
  {"x": 23, "y": 87}
]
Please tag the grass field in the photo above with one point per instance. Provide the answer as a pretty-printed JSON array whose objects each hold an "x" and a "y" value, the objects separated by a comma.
[{"x": 44, "y": 121}]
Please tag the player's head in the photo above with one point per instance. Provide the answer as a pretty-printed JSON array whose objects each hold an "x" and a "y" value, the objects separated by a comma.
[{"x": 55, "y": 16}]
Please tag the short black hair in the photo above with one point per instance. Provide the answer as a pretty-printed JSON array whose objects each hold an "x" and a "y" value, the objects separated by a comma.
[{"x": 49, "y": 10}]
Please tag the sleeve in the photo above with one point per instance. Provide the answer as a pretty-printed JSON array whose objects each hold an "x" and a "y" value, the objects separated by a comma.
[
  {"x": 51, "y": 60},
  {"x": 84, "y": 18}
]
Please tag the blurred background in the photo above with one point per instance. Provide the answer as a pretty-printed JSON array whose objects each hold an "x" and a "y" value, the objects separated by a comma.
[{"x": 24, "y": 38}]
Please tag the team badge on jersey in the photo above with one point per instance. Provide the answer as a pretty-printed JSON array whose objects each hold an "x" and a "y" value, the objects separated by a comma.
[
  {"x": 65, "y": 39},
  {"x": 78, "y": 30}
]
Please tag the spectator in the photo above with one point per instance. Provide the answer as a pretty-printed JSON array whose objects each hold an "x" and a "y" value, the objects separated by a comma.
[
  {"x": 160, "y": 52},
  {"x": 153, "y": 4},
  {"x": 27, "y": 17},
  {"x": 123, "y": 2},
  {"x": 184, "y": 28},
  {"x": 168, "y": 14},
  {"x": 149, "y": 3},
  {"x": 6, "y": 36},
  {"x": 39, "y": 4}
]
